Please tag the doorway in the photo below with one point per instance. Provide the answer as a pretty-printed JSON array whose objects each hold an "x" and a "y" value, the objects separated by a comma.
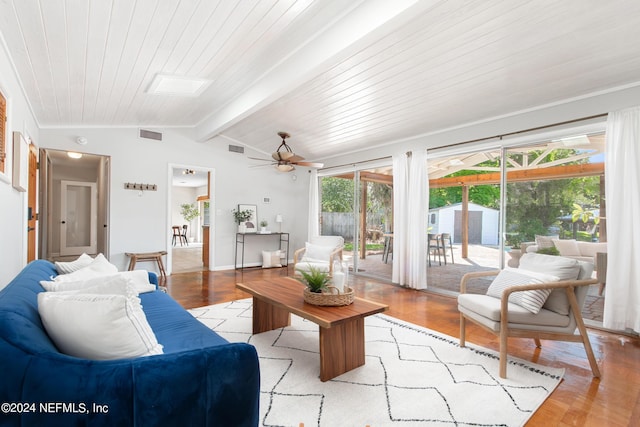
[
  {"x": 74, "y": 205},
  {"x": 189, "y": 203}
]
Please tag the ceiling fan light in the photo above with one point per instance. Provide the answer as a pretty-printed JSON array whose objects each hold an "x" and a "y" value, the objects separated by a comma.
[
  {"x": 285, "y": 167},
  {"x": 283, "y": 155}
]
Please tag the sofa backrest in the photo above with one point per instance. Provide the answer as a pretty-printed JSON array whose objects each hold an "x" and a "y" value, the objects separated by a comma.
[
  {"x": 589, "y": 249},
  {"x": 20, "y": 323}
]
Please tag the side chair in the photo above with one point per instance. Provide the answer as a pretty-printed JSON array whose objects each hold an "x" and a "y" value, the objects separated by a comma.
[{"x": 512, "y": 314}]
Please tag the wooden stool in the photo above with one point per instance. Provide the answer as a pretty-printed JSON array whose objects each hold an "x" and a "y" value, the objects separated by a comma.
[{"x": 148, "y": 256}]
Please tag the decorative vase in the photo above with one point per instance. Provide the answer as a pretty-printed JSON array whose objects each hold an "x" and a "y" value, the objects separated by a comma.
[{"x": 242, "y": 228}]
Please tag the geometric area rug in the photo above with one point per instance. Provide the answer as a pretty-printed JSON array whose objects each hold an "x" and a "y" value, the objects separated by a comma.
[{"x": 412, "y": 376}]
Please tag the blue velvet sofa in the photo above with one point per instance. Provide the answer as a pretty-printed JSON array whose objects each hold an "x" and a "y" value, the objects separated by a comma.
[{"x": 200, "y": 380}]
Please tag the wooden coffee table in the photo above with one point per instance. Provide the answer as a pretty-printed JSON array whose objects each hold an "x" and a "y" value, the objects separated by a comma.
[{"x": 341, "y": 328}]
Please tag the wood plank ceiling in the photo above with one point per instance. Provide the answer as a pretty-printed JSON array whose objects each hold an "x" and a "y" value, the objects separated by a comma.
[{"x": 340, "y": 76}]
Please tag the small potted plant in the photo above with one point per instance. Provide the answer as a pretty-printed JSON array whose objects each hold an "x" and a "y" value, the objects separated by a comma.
[
  {"x": 263, "y": 226},
  {"x": 315, "y": 279},
  {"x": 241, "y": 217}
]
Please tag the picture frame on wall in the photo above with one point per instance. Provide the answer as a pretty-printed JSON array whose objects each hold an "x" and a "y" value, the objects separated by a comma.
[
  {"x": 20, "y": 162},
  {"x": 252, "y": 223}
]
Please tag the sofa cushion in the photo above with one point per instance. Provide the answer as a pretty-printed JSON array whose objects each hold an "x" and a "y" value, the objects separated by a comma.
[
  {"x": 544, "y": 242},
  {"x": 531, "y": 300},
  {"x": 139, "y": 279},
  {"x": 567, "y": 247},
  {"x": 98, "y": 326},
  {"x": 69, "y": 267},
  {"x": 590, "y": 249}
]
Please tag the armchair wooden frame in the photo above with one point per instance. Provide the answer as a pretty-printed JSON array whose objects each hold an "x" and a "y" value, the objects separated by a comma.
[{"x": 505, "y": 331}]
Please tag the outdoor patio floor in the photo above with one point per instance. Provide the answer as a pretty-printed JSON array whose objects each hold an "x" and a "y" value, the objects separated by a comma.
[{"x": 445, "y": 279}]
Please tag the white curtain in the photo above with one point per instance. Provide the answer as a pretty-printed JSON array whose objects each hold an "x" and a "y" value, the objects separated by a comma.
[
  {"x": 313, "y": 226},
  {"x": 411, "y": 205},
  {"x": 622, "y": 189}
]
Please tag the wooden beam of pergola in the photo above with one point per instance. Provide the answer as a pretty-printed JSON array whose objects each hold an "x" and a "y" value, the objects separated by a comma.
[{"x": 552, "y": 172}]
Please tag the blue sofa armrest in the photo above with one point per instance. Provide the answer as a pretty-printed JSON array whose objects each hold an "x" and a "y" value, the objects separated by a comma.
[
  {"x": 211, "y": 386},
  {"x": 153, "y": 278}
]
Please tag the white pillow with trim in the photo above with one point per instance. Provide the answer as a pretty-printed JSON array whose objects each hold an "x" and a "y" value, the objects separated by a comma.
[
  {"x": 567, "y": 247},
  {"x": 532, "y": 300},
  {"x": 100, "y": 266},
  {"x": 70, "y": 266},
  {"x": 271, "y": 259},
  {"x": 317, "y": 253},
  {"x": 138, "y": 279},
  {"x": 97, "y": 326}
]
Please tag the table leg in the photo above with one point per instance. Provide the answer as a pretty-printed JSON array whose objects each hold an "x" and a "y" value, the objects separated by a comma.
[
  {"x": 341, "y": 348},
  {"x": 267, "y": 317}
]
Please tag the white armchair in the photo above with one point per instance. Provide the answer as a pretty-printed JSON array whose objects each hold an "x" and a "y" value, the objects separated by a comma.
[
  {"x": 524, "y": 303},
  {"x": 319, "y": 253}
]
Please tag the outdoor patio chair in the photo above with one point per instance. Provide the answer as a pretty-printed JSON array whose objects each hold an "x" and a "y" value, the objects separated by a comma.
[
  {"x": 525, "y": 303},
  {"x": 434, "y": 248},
  {"x": 446, "y": 238},
  {"x": 319, "y": 253}
]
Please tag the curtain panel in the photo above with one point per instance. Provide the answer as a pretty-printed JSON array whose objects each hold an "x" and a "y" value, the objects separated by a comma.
[
  {"x": 411, "y": 205},
  {"x": 313, "y": 226},
  {"x": 622, "y": 190}
]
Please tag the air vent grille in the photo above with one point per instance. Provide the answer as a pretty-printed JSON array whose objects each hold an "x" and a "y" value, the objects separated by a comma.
[
  {"x": 149, "y": 134},
  {"x": 236, "y": 148}
]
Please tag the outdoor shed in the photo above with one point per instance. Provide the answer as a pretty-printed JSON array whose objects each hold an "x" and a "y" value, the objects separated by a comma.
[{"x": 483, "y": 223}]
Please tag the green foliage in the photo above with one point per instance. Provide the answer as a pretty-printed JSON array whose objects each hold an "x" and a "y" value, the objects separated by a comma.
[
  {"x": 579, "y": 213},
  {"x": 263, "y": 223},
  {"x": 189, "y": 211},
  {"x": 548, "y": 251},
  {"x": 337, "y": 194},
  {"x": 241, "y": 216},
  {"x": 316, "y": 280}
]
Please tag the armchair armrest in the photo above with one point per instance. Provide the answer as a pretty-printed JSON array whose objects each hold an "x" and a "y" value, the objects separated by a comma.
[
  {"x": 475, "y": 275},
  {"x": 568, "y": 285},
  {"x": 297, "y": 255}
]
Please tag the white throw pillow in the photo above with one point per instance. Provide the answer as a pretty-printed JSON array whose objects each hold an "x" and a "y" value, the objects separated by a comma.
[
  {"x": 532, "y": 300},
  {"x": 567, "y": 247},
  {"x": 97, "y": 327},
  {"x": 100, "y": 266},
  {"x": 545, "y": 242},
  {"x": 138, "y": 279},
  {"x": 271, "y": 259},
  {"x": 71, "y": 266},
  {"x": 317, "y": 253}
]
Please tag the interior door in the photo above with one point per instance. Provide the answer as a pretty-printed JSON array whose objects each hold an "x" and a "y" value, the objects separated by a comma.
[
  {"x": 31, "y": 203},
  {"x": 78, "y": 218}
]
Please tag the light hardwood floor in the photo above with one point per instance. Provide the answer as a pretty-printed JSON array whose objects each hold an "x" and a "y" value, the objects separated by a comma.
[{"x": 579, "y": 400}]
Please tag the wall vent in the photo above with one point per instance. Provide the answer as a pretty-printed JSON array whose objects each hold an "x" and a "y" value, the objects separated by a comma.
[
  {"x": 149, "y": 134},
  {"x": 236, "y": 148}
]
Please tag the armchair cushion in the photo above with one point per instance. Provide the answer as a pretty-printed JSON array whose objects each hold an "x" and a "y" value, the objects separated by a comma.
[
  {"x": 531, "y": 300},
  {"x": 317, "y": 253},
  {"x": 562, "y": 268},
  {"x": 545, "y": 241},
  {"x": 489, "y": 310}
]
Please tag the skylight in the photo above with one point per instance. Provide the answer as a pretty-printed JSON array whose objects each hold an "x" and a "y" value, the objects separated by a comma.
[{"x": 164, "y": 84}]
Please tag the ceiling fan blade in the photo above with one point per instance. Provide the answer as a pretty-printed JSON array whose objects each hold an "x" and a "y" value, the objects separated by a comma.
[
  {"x": 295, "y": 158},
  {"x": 310, "y": 164},
  {"x": 263, "y": 160}
]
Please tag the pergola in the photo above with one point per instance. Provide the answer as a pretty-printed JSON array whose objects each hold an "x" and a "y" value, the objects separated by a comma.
[{"x": 522, "y": 166}]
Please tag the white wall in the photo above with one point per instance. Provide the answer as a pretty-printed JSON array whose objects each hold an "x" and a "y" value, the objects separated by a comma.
[
  {"x": 143, "y": 224},
  {"x": 13, "y": 244}
]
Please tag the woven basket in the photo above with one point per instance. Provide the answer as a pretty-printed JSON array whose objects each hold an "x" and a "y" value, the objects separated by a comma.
[{"x": 331, "y": 298}]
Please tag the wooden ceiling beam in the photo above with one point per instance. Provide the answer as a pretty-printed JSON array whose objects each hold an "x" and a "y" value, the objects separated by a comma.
[{"x": 553, "y": 172}]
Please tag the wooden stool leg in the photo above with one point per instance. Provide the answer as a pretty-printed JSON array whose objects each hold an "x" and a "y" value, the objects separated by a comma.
[
  {"x": 132, "y": 263},
  {"x": 161, "y": 266}
]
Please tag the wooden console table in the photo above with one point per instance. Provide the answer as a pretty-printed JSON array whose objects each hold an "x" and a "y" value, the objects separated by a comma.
[{"x": 241, "y": 239}]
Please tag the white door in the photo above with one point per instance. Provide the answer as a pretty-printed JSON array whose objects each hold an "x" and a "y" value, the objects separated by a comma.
[{"x": 78, "y": 218}]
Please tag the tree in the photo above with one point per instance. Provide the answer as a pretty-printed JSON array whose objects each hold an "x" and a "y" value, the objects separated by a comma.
[{"x": 337, "y": 194}]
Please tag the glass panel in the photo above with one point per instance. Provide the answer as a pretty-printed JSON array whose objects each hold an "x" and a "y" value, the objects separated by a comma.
[
  {"x": 554, "y": 190},
  {"x": 78, "y": 216},
  {"x": 463, "y": 235},
  {"x": 337, "y": 210}
]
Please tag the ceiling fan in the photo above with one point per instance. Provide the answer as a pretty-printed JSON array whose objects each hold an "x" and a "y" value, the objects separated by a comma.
[{"x": 284, "y": 159}]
